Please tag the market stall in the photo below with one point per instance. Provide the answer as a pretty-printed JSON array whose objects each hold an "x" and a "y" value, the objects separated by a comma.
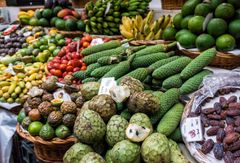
[{"x": 118, "y": 82}]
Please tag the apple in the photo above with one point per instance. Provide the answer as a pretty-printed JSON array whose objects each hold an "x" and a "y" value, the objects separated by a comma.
[
  {"x": 58, "y": 73},
  {"x": 52, "y": 71}
]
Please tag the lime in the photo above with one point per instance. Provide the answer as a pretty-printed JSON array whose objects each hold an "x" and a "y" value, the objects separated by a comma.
[
  {"x": 62, "y": 131},
  {"x": 177, "y": 19},
  {"x": 33, "y": 21},
  {"x": 216, "y": 27},
  {"x": 169, "y": 33},
  {"x": 59, "y": 36},
  {"x": 187, "y": 40},
  {"x": 61, "y": 42},
  {"x": 179, "y": 33},
  {"x": 184, "y": 22},
  {"x": 52, "y": 48},
  {"x": 21, "y": 116},
  {"x": 225, "y": 42},
  {"x": 34, "y": 128},
  {"x": 56, "y": 51},
  {"x": 224, "y": 11},
  {"x": 204, "y": 42},
  {"x": 234, "y": 28},
  {"x": 195, "y": 24}
]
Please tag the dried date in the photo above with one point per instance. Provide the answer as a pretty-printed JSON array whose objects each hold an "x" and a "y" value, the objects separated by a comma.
[
  {"x": 233, "y": 147},
  {"x": 228, "y": 157},
  {"x": 235, "y": 105},
  {"x": 231, "y": 138},
  {"x": 229, "y": 129},
  {"x": 232, "y": 99},
  {"x": 218, "y": 107},
  {"x": 223, "y": 102},
  {"x": 223, "y": 114},
  {"x": 204, "y": 120},
  {"x": 236, "y": 153},
  {"x": 218, "y": 151},
  {"x": 237, "y": 122},
  {"x": 207, "y": 146},
  {"x": 208, "y": 110},
  {"x": 237, "y": 129},
  {"x": 237, "y": 160},
  {"x": 220, "y": 135},
  {"x": 214, "y": 116},
  {"x": 217, "y": 123},
  {"x": 233, "y": 112},
  {"x": 230, "y": 120},
  {"x": 213, "y": 131}
]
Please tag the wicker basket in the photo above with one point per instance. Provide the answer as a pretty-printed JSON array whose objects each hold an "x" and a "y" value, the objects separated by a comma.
[
  {"x": 71, "y": 34},
  {"x": 172, "y": 4},
  {"x": 222, "y": 60},
  {"x": 152, "y": 42},
  {"x": 48, "y": 151}
]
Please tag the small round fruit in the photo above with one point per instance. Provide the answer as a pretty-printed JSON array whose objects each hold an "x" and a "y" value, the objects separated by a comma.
[
  {"x": 62, "y": 131},
  {"x": 225, "y": 42},
  {"x": 177, "y": 20},
  {"x": 26, "y": 122},
  {"x": 234, "y": 28},
  {"x": 224, "y": 11},
  {"x": 169, "y": 33},
  {"x": 46, "y": 132},
  {"x": 187, "y": 40},
  {"x": 21, "y": 116},
  {"x": 216, "y": 27},
  {"x": 34, "y": 128},
  {"x": 195, "y": 24},
  {"x": 204, "y": 42},
  {"x": 34, "y": 115}
]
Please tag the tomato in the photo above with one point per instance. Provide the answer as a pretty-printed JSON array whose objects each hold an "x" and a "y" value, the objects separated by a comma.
[
  {"x": 50, "y": 66},
  {"x": 68, "y": 41},
  {"x": 60, "y": 79},
  {"x": 64, "y": 61},
  {"x": 76, "y": 69},
  {"x": 88, "y": 38},
  {"x": 83, "y": 39},
  {"x": 64, "y": 74},
  {"x": 75, "y": 55},
  {"x": 86, "y": 44},
  {"x": 76, "y": 63},
  {"x": 52, "y": 71},
  {"x": 58, "y": 73},
  {"x": 83, "y": 68},
  {"x": 56, "y": 65},
  {"x": 61, "y": 53},
  {"x": 106, "y": 39},
  {"x": 72, "y": 47},
  {"x": 69, "y": 68},
  {"x": 74, "y": 82},
  {"x": 84, "y": 64},
  {"x": 63, "y": 67}
]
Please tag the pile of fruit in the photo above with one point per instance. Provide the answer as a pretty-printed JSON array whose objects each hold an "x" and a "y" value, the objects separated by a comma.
[
  {"x": 152, "y": 65},
  {"x": 14, "y": 88},
  {"x": 207, "y": 24},
  {"x": 59, "y": 14},
  {"x": 48, "y": 116},
  {"x": 144, "y": 29},
  {"x": 104, "y": 17},
  {"x": 141, "y": 125},
  {"x": 24, "y": 17}
]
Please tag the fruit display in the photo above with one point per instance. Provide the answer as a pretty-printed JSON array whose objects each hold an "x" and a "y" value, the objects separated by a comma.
[
  {"x": 146, "y": 29},
  {"x": 14, "y": 87},
  {"x": 206, "y": 24},
  {"x": 59, "y": 14},
  {"x": 154, "y": 65},
  {"x": 125, "y": 139},
  {"x": 104, "y": 17},
  {"x": 48, "y": 116},
  {"x": 24, "y": 17}
]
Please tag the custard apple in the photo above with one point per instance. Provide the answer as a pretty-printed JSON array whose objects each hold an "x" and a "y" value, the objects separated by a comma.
[
  {"x": 133, "y": 84},
  {"x": 89, "y": 127},
  {"x": 104, "y": 106},
  {"x": 116, "y": 130},
  {"x": 76, "y": 152},
  {"x": 155, "y": 149},
  {"x": 45, "y": 108},
  {"x": 89, "y": 90},
  {"x": 92, "y": 157},
  {"x": 144, "y": 103},
  {"x": 141, "y": 119},
  {"x": 68, "y": 107},
  {"x": 125, "y": 152},
  {"x": 108, "y": 157}
]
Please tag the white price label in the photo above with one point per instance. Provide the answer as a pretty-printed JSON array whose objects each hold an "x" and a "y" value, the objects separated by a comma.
[
  {"x": 97, "y": 41},
  {"x": 106, "y": 85},
  {"x": 26, "y": 34},
  {"x": 192, "y": 129}
]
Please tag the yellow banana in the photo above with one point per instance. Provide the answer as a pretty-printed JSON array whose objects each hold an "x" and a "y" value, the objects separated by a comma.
[
  {"x": 155, "y": 26},
  {"x": 150, "y": 36},
  {"x": 142, "y": 25},
  {"x": 165, "y": 22},
  {"x": 146, "y": 29},
  {"x": 158, "y": 35},
  {"x": 139, "y": 21},
  {"x": 170, "y": 23},
  {"x": 126, "y": 34},
  {"x": 149, "y": 17},
  {"x": 126, "y": 23},
  {"x": 160, "y": 20},
  {"x": 141, "y": 37}
]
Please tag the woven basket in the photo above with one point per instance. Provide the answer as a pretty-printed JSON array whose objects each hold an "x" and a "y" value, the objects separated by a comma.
[
  {"x": 172, "y": 4},
  {"x": 152, "y": 42},
  {"x": 48, "y": 151},
  {"x": 71, "y": 34},
  {"x": 222, "y": 60}
]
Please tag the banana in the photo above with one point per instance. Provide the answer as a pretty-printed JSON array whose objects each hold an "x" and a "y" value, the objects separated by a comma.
[
  {"x": 142, "y": 26},
  {"x": 150, "y": 36},
  {"x": 141, "y": 37},
  {"x": 146, "y": 29},
  {"x": 127, "y": 34},
  {"x": 149, "y": 17},
  {"x": 158, "y": 35},
  {"x": 170, "y": 23},
  {"x": 165, "y": 22},
  {"x": 127, "y": 23},
  {"x": 155, "y": 26},
  {"x": 139, "y": 21},
  {"x": 160, "y": 20}
]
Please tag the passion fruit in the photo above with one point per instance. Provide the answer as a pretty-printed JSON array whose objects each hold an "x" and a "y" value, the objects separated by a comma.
[{"x": 34, "y": 115}]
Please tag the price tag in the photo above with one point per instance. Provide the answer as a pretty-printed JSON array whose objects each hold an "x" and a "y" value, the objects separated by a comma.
[
  {"x": 192, "y": 129},
  {"x": 26, "y": 34},
  {"x": 106, "y": 85},
  {"x": 97, "y": 41}
]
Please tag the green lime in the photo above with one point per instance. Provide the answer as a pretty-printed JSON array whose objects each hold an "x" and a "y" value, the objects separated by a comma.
[
  {"x": 204, "y": 42},
  {"x": 224, "y": 11},
  {"x": 195, "y": 24},
  {"x": 59, "y": 36},
  {"x": 62, "y": 131},
  {"x": 216, "y": 27},
  {"x": 234, "y": 28},
  {"x": 177, "y": 19},
  {"x": 225, "y": 42},
  {"x": 21, "y": 116},
  {"x": 34, "y": 128},
  {"x": 56, "y": 51},
  {"x": 61, "y": 42},
  {"x": 52, "y": 48}
]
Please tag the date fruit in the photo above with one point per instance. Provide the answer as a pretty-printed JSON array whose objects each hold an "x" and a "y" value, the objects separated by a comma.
[
  {"x": 228, "y": 157},
  {"x": 220, "y": 135},
  {"x": 232, "y": 99},
  {"x": 218, "y": 107},
  {"x": 214, "y": 116},
  {"x": 217, "y": 123},
  {"x": 204, "y": 120},
  {"x": 236, "y": 153},
  {"x": 207, "y": 146},
  {"x": 231, "y": 138},
  {"x": 233, "y": 112},
  {"x": 212, "y": 131},
  {"x": 233, "y": 147},
  {"x": 208, "y": 110},
  {"x": 237, "y": 122},
  {"x": 223, "y": 102},
  {"x": 235, "y": 105},
  {"x": 218, "y": 151},
  {"x": 230, "y": 121},
  {"x": 229, "y": 129}
]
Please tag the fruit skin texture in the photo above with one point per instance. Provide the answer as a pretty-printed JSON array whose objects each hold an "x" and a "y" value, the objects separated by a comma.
[
  {"x": 46, "y": 132},
  {"x": 234, "y": 28},
  {"x": 170, "y": 120},
  {"x": 162, "y": 62},
  {"x": 125, "y": 152},
  {"x": 143, "y": 102},
  {"x": 116, "y": 130},
  {"x": 225, "y": 43},
  {"x": 155, "y": 149},
  {"x": 69, "y": 119},
  {"x": 45, "y": 108},
  {"x": 134, "y": 85},
  {"x": 141, "y": 119},
  {"x": 176, "y": 155},
  {"x": 55, "y": 118},
  {"x": 68, "y": 107},
  {"x": 176, "y": 135},
  {"x": 217, "y": 27},
  {"x": 195, "y": 24},
  {"x": 76, "y": 152},
  {"x": 197, "y": 64},
  {"x": 204, "y": 42},
  {"x": 104, "y": 105},
  {"x": 189, "y": 6},
  {"x": 89, "y": 127},
  {"x": 93, "y": 158},
  {"x": 225, "y": 11},
  {"x": 174, "y": 81},
  {"x": 194, "y": 82},
  {"x": 89, "y": 90}
]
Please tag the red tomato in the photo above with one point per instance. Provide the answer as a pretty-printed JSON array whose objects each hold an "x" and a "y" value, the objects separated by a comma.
[
  {"x": 61, "y": 53},
  {"x": 84, "y": 64},
  {"x": 69, "y": 68},
  {"x": 74, "y": 82},
  {"x": 64, "y": 61},
  {"x": 65, "y": 73},
  {"x": 69, "y": 56},
  {"x": 75, "y": 55},
  {"x": 72, "y": 47},
  {"x": 76, "y": 63},
  {"x": 70, "y": 73},
  {"x": 56, "y": 65},
  {"x": 106, "y": 39},
  {"x": 76, "y": 69},
  {"x": 86, "y": 44},
  {"x": 58, "y": 73},
  {"x": 52, "y": 71},
  {"x": 60, "y": 79},
  {"x": 63, "y": 67},
  {"x": 88, "y": 38},
  {"x": 56, "y": 60},
  {"x": 68, "y": 41},
  {"x": 50, "y": 65}
]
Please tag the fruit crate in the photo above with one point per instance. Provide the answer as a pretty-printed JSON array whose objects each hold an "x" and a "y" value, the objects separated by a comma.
[{"x": 172, "y": 4}]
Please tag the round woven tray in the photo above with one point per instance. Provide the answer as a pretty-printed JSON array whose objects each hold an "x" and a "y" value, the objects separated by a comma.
[
  {"x": 222, "y": 60},
  {"x": 48, "y": 151},
  {"x": 71, "y": 34},
  {"x": 151, "y": 42}
]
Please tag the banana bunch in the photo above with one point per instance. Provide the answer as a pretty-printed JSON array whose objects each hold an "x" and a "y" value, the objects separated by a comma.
[
  {"x": 132, "y": 8},
  {"x": 144, "y": 29},
  {"x": 29, "y": 14}
]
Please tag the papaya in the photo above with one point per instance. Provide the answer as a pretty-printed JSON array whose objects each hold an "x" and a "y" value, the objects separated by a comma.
[{"x": 64, "y": 12}]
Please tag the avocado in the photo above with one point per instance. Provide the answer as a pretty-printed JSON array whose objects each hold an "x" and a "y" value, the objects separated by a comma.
[
  {"x": 60, "y": 24},
  {"x": 21, "y": 116},
  {"x": 203, "y": 9},
  {"x": 70, "y": 25},
  {"x": 187, "y": 40},
  {"x": 234, "y": 28},
  {"x": 204, "y": 42},
  {"x": 46, "y": 132},
  {"x": 169, "y": 33},
  {"x": 225, "y": 43},
  {"x": 189, "y": 6},
  {"x": 179, "y": 33},
  {"x": 224, "y": 11},
  {"x": 26, "y": 122},
  {"x": 216, "y": 27},
  {"x": 62, "y": 131}
]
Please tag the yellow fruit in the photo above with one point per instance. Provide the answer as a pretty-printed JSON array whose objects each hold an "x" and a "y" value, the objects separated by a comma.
[
  {"x": 26, "y": 79},
  {"x": 29, "y": 39},
  {"x": 32, "y": 77},
  {"x": 160, "y": 20},
  {"x": 34, "y": 83},
  {"x": 165, "y": 22},
  {"x": 10, "y": 100},
  {"x": 28, "y": 85},
  {"x": 25, "y": 91},
  {"x": 14, "y": 95},
  {"x": 149, "y": 17},
  {"x": 21, "y": 84},
  {"x": 12, "y": 87},
  {"x": 21, "y": 75},
  {"x": 21, "y": 95},
  {"x": 127, "y": 23},
  {"x": 158, "y": 35},
  {"x": 31, "y": 13},
  {"x": 6, "y": 95},
  {"x": 18, "y": 100},
  {"x": 150, "y": 36},
  {"x": 4, "y": 83},
  {"x": 146, "y": 29},
  {"x": 126, "y": 34},
  {"x": 1, "y": 93},
  {"x": 39, "y": 76},
  {"x": 17, "y": 90},
  {"x": 23, "y": 13},
  {"x": 53, "y": 31}
]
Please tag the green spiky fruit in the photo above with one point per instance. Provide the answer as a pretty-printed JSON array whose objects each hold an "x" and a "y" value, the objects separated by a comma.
[
  {"x": 139, "y": 74},
  {"x": 176, "y": 135},
  {"x": 91, "y": 79},
  {"x": 143, "y": 102},
  {"x": 116, "y": 130},
  {"x": 162, "y": 62},
  {"x": 93, "y": 158},
  {"x": 155, "y": 149},
  {"x": 176, "y": 155},
  {"x": 104, "y": 105},
  {"x": 76, "y": 152},
  {"x": 125, "y": 152},
  {"x": 89, "y": 90},
  {"x": 91, "y": 68},
  {"x": 174, "y": 81},
  {"x": 89, "y": 127},
  {"x": 133, "y": 84},
  {"x": 101, "y": 71},
  {"x": 108, "y": 157}
]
